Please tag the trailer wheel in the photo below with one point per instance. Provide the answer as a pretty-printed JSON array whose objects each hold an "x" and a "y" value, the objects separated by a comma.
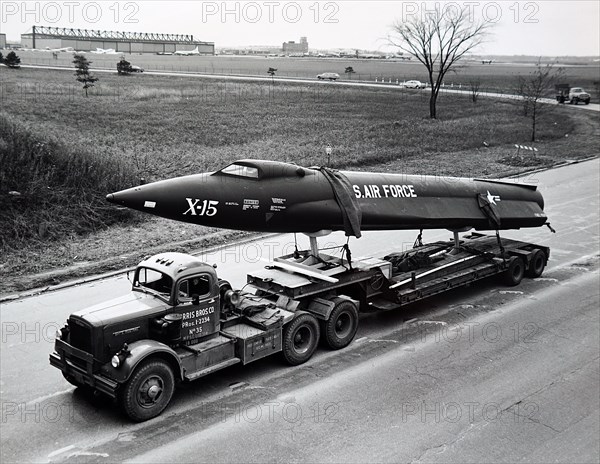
[
  {"x": 537, "y": 264},
  {"x": 340, "y": 328},
  {"x": 148, "y": 391},
  {"x": 300, "y": 339},
  {"x": 515, "y": 272}
]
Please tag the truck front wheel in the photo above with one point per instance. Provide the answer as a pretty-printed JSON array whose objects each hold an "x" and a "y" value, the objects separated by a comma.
[
  {"x": 340, "y": 328},
  {"x": 300, "y": 339},
  {"x": 148, "y": 391}
]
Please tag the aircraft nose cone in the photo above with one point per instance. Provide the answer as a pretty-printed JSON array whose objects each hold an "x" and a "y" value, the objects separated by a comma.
[{"x": 110, "y": 198}]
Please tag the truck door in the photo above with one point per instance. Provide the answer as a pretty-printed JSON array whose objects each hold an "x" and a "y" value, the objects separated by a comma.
[{"x": 198, "y": 303}]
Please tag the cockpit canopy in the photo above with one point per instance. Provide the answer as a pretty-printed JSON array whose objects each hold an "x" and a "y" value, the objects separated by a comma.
[{"x": 261, "y": 169}]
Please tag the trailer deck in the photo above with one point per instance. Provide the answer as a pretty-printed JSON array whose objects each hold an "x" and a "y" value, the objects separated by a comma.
[{"x": 398, "y": 278}]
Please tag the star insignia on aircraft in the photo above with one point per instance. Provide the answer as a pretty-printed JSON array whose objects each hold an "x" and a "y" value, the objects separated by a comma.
[{"x": 492, "y": 198}]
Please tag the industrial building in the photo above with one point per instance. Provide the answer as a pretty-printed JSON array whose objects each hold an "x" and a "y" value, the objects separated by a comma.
[
  {"x": 2, "y": 40},
  {"x": 293, "y": 47},
  {"x": 47, "y": 37}
]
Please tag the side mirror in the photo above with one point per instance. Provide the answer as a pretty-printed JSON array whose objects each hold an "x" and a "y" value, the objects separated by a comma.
[{"x": 195, "y": 299}]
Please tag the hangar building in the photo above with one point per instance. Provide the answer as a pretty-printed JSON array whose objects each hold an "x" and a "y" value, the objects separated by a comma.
[{"x": 47, "y": 37}]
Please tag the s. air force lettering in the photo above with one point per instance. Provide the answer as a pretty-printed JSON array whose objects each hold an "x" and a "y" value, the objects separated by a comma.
[
  {"x": 269, "y": 196},
  {"x": 384, "y": 191}
]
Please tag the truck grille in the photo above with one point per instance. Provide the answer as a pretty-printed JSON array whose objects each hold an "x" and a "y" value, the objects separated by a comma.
[{"x": 80, "y": 335}]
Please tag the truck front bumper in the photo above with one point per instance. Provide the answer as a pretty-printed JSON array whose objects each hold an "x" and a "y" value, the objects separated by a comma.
[{"x": 82, "y": 373}]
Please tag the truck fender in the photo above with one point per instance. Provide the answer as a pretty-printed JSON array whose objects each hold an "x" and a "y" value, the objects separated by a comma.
[
  {"x": 138, "y": 352},
  {"x": 322, "y": 308}
]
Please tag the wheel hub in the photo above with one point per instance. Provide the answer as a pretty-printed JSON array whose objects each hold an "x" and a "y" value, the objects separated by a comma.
[
  {"x": 302, "y": 339},
  {"x": 343, "y": 325},
  {"x": 150, "y": 391}
]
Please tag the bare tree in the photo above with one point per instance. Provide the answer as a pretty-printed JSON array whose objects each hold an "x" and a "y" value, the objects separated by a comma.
[
  {"x": 534, "y": 90},
  {"x": 474, "y": 86},
  {"x": 439, "y": 39}
]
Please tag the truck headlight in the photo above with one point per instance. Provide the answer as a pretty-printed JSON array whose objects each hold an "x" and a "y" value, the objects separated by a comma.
[{"x": 118, "y": 358}]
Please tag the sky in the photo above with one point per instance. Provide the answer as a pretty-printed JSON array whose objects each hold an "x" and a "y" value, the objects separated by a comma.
[{"x": 539, "y": 28}]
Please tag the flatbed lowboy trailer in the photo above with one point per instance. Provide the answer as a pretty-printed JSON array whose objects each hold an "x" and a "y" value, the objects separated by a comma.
[{"x": 182, "y": 322}]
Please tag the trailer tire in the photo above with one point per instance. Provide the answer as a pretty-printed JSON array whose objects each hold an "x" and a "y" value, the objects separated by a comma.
[
  {"x": 515, "y": 272},
  {"x": 341, "y": 327},
  {"x": 300, "y": 339},
  {"x": 148, "y": 391},
  {"x": 536, "y": 264}
]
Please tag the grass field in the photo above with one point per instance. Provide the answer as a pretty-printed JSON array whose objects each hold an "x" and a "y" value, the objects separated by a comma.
[
  {"x": 63, "y": 152},
  {"x": 497, "y": 77}
]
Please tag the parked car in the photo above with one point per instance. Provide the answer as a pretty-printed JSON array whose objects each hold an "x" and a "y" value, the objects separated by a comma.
[
  {"x": 328, "y": 75},
  {"x": 414, "y": 84}
]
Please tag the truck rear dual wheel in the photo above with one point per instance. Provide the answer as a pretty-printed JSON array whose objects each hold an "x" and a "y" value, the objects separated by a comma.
[
  {"x": 300, "y": 339},
  {"x": 339, "y": 330},
  {"x": 536, "y": 264},
  {"x": 148, "y": 391},
  {"x": 515, "y": 272}
]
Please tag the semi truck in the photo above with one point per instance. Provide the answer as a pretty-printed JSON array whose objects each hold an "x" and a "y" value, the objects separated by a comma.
[{"x": 182, "y": 321}]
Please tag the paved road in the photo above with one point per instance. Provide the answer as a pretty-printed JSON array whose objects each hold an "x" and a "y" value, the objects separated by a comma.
[
  {"x": 228, "y": 77},
  {"x": 482, "y": 374}
]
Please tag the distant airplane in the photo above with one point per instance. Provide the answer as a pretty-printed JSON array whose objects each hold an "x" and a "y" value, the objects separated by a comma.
[
  {"x": 486, "y": 61},
  {"x": 105, "y": 51},
  {"x": 62, "y": 50},
  {"x": 195, "y": 51}
]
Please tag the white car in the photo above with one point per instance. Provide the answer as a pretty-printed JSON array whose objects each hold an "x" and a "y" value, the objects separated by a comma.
[
  {"x": 328, "y": 75},
  {"x": 414, "y": 85}
]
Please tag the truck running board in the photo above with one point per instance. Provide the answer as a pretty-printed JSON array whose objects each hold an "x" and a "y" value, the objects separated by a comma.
[{"x": 211, "y": 369}]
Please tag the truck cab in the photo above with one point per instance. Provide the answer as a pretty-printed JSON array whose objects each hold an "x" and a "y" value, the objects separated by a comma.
[
  {"x": 175, "y": 300},
  {"x": 180, "y": 322}
]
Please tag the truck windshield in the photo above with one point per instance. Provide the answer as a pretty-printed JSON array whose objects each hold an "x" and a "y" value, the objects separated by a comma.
[{"x": 156, "y": 281}]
